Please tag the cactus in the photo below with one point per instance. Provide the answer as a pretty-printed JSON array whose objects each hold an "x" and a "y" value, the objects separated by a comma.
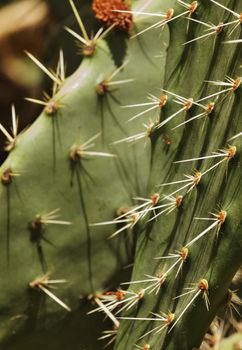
[
  {"x": 84, "y": 158},
  {"x": 52, "y": 181},
  {"x": 196, "y": 261}
]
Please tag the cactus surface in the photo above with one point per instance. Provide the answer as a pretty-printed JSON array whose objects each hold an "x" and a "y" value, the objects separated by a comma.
[
  {"x": 161, "y": 175},
  {"x": 53, "y": 188}
]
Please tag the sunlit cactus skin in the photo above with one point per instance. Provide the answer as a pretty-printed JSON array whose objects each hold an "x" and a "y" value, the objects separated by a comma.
[
  {"x": 41, "y": 175},
  {"x": 162, "y": 178}
]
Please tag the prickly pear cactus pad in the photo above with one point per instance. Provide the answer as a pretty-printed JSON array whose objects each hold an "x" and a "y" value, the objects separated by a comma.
[{"x": 64, "y": 175}]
